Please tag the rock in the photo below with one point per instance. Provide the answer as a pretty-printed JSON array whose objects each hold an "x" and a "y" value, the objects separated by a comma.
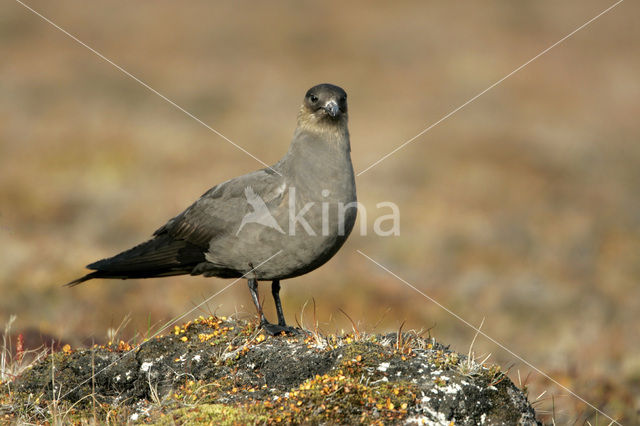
[{"x": 225, "y": 371}]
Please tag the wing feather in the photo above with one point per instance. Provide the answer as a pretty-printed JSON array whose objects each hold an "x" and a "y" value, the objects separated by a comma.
[{"x": 220, "y": 210}]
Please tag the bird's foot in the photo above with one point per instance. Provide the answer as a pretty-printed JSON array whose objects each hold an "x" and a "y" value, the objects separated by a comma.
[{"x": 276, "y": 329}]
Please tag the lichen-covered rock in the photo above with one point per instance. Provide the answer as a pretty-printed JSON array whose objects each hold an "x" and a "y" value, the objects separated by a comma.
[{"x": 224, "y": 371}]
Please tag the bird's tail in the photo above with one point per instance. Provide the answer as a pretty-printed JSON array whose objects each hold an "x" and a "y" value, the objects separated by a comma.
[
  {"x": 80, "y": 280},
  {"x": 161, "y": 256}
]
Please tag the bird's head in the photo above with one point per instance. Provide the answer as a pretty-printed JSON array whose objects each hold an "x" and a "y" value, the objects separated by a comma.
[{"x": 324, "y": 105}]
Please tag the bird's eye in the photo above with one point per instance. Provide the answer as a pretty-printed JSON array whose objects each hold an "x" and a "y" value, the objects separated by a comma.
[
  {"x": 343, "y": 99},
  {"x": 313, "y": 98}
]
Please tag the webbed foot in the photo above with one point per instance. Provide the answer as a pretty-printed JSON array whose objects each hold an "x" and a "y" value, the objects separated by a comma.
[{"x": 276, "y": 329}]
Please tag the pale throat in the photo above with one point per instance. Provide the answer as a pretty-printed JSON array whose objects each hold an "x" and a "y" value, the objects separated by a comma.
[{"x": 335, "y": 130}]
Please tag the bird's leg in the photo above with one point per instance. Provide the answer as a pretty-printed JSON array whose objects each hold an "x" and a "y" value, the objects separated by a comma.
[
  {"x": 282, "y": 324},
  {"x": 253, "y": 289},
  {"x": 275, "y": 291},
  {"x": 272, "y": 329}
]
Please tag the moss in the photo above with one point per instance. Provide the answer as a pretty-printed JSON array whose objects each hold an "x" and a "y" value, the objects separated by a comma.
[
  {"x": 363, "y": 354},
  {"x": 218, "y": 414},
  {"x": 339, "y": 398},
  {"x": 213, "y": 370}
]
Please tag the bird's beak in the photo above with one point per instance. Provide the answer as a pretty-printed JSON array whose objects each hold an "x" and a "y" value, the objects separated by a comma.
[{"x": 332, "y": 108}]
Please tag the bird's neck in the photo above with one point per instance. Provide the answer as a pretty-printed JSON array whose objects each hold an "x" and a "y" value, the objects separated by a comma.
[
  {"x": 327, "y": 138},
  {"x": 334, "y": 131},
  {"x": 318, "y": 153}
]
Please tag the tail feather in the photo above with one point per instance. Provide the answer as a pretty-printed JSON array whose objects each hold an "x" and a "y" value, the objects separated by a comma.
[
  {"x": 159, "y": 257},
  {"x": 81, "y": 279}
]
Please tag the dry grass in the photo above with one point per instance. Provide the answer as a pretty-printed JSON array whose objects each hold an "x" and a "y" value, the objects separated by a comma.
[{"x": 523, "y": 208}]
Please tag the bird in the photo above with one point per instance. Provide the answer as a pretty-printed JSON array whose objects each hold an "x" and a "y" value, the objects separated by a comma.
[{"x": 272, "y": 224}]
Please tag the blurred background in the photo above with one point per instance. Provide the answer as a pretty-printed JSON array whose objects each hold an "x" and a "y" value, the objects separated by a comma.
[{"x": 522, "y": 209}]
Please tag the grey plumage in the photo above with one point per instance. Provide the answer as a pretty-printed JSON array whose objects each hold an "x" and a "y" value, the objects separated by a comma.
[{"x": 227, "y": 232}]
